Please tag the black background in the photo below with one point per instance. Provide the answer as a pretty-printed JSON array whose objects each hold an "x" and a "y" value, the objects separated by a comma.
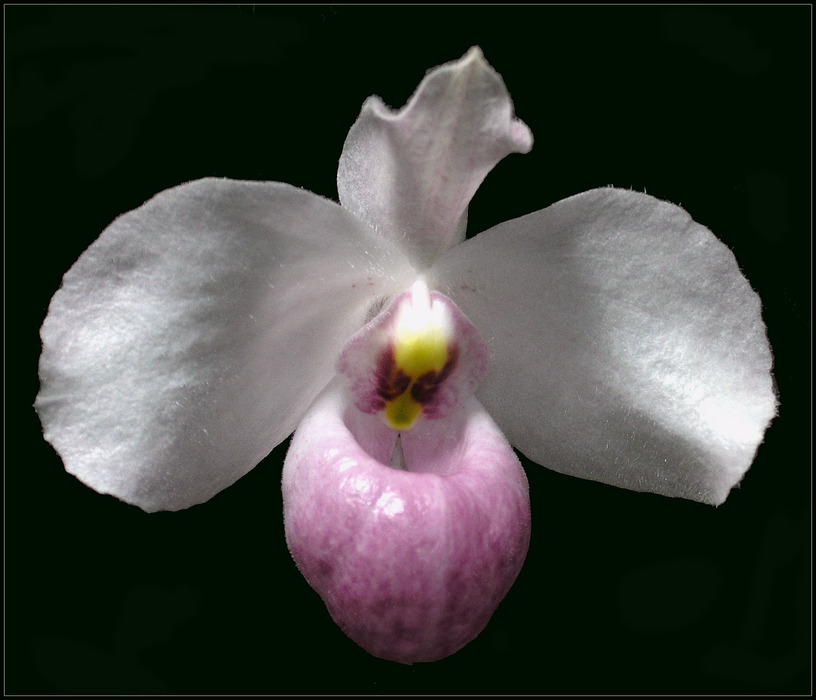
[{"x": 708, "y": 107}]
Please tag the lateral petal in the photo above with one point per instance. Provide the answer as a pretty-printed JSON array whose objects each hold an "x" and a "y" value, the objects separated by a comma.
[
  {"x": 626, "y": 345},
  {"x": 191, "y": 337},
  {"x": 410, "y": 174}
]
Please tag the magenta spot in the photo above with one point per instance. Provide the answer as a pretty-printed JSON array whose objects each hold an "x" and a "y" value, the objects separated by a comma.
[
  {"x": 391, "y": 380},
  {"x": 425, "y": 387}
]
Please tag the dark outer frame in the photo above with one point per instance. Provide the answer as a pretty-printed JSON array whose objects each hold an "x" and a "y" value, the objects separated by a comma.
[{"x": 622, "y": 593}]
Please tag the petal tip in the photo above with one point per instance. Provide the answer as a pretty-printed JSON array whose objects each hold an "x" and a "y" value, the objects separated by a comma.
[{"x": 521, "y": 136}]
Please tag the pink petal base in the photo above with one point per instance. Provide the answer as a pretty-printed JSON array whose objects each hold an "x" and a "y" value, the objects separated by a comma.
[{"x": 411, "y": 560}]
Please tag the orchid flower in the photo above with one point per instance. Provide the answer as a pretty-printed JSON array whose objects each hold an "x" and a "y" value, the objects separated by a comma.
[{"x": 608, "y": 336}]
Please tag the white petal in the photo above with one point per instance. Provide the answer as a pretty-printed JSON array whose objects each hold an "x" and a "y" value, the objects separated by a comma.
[
  {"x": 626, "y": 346},
  {"x": 190, "y": 338},
  {"x": 410, "y": 174}
]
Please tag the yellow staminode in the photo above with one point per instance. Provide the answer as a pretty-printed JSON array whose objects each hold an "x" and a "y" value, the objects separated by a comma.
[
  {"x": 422, "y": 336},
  {"x": 402, "y": 411},
  {"x": 420, "y": 351}
]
